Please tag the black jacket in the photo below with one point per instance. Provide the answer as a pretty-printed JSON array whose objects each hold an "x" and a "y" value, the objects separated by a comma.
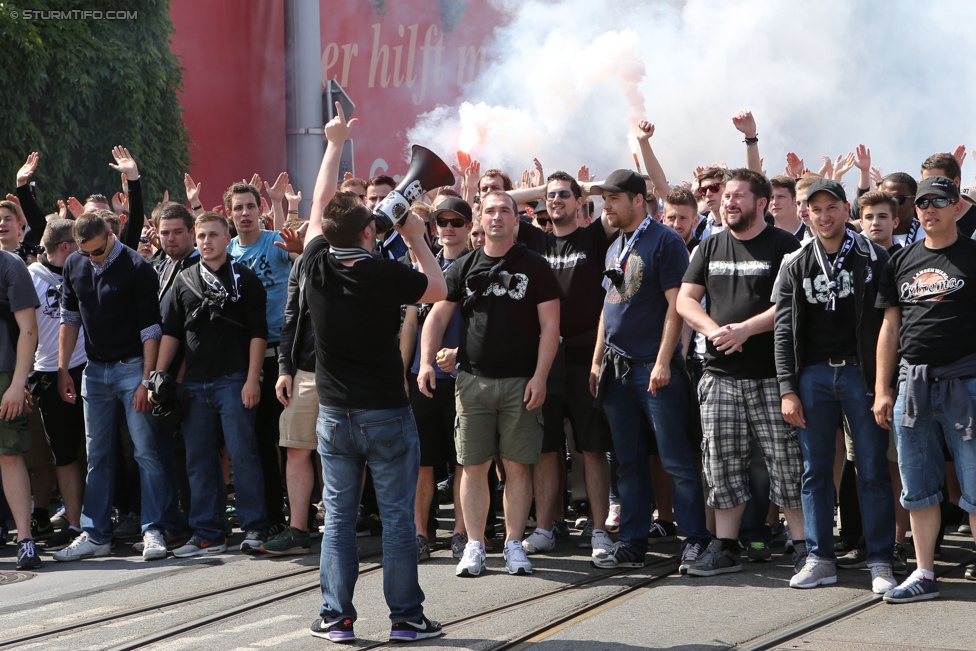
[{"x": 866, "y": 261}]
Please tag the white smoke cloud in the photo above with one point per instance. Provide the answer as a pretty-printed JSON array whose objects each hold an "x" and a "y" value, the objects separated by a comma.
[{"x": 569, "y": 79}]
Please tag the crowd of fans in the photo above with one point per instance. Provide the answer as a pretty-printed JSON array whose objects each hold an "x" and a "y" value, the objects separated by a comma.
[{"x": 700, "y": 351}]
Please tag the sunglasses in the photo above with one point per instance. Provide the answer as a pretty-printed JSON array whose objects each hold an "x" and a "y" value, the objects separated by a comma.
[
  {"x": 543, "y": 221},
  {"x": 938, "y": 202},
  {"x": 705, "y": 189},
  {"x": 902, "y": 198},
  {"x": 562, "y": 194},
  {"x": 96, "y": 252},
  {"x": 144, "y": 239},
  {"x": 456, "y": 222}
]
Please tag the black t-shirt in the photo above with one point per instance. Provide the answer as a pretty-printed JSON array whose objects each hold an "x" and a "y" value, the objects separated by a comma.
[
  {"x": 738, "y": 279},
  {"x": 828, "y": 334},
  {"x": 967, "y": 222},
  {"x": 356, "y": 317},
  {"x": 936, "y": 290},
  {"x": 577, "y": 260},
  {"x": 501, "y": 336},
  {"x": 219, "y": 346}
]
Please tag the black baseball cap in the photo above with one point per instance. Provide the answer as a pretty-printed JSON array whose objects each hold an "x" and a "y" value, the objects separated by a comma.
[
  {"x": 940, "y": 186},
  {"x": 831, "y": 187},
  {"x": 455, "y": 205},
  {"x": 623, "y": 181}
]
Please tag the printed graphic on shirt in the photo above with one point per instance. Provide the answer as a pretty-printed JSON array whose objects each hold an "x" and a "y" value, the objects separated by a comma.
[
  {"x": 51, "y": 303},
  {"x": 743, "y": 268},
  {"x": 567, "y": 261},
  {"x": 514, "y": 285},
  {"x": 816, "y": 289},
  {"x": 633, "y": 277},
  {"x": 930, "y": 285}
]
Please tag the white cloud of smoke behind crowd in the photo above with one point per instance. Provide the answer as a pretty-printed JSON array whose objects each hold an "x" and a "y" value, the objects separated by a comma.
[{"x": 567, "y": 81}]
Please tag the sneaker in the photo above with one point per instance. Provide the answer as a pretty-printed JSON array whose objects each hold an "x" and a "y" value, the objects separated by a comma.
[
  {"x": 58, "y": 519},
  {"x": 613, "y": 519},
  {"x": 61, "y": 539},
  {"x": 813, "y": 573},
  {"x": 914, "y": 588},
  {"x": 252, "y": 542},
  {"x": 560, "y": 530},
  {"x": 423, "y": 548},
  {"x": 971, "y": 573},
  {"x": 516, "y": 562},
  {"x": 714, "y": 560},
  {"x": 882, "y": 578},
  {"x": 759, "y": 552},
  {"x": 853, "y": 560},
  {"x": 173, "y": 540},
  {"x": 83, "y": 547},
  {"x": 127, "y": 526},
  {"x": 661, "y": 531},
  {"x": 27, "y": 558},
  {"x": 600, "y": 543},
  {"x": 539, "y": 542},
  {"x": 619, "y": 555},
  {"x": 153, "y": 545},
  {"x": 275, "y": 530},
  {"x": 290, "y": 542},
  {"x": 197, "y": 546},
  {"x": 900, "y": 565},
  {"x": 339, "y": 631},
  {"x": 41, "y": 526},
  {"x": 586, "y": 537},
  {"x": 458, "y": 541},
  {"x": 964, "y": 529},
  {"x": 410, "y": 631},
  {"x": 472, "y": 561},
  {"x": 689, "y": 555},
  {"x": 581, "y": 522}
]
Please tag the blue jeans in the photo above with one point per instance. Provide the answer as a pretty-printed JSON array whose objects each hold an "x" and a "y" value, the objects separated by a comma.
[
  {"x": 921, "y": 460},
  {"x": 104, "y": 386},
  {"x": 628, "y": 402},
  {"x": 826, "y": 392},
  {"x": 386, "y": 440},
  {"x": 216, "y": 405}
]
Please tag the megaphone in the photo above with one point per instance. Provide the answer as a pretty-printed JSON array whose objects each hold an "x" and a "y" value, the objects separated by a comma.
[{"x": 426, "y": 172}]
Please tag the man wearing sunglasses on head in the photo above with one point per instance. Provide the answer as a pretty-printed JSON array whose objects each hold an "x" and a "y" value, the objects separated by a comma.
[{"x": 576, "y": 256}]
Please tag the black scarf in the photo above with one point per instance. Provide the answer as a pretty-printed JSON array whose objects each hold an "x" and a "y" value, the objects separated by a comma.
[{"x": 831, "y": 271}]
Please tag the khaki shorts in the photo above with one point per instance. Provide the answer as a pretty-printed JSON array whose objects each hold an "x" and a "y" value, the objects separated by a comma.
[
  {"x": 492, "y": 418},
  {"x": 15, "y": 435},
  {"x": 296, "y": 426}
]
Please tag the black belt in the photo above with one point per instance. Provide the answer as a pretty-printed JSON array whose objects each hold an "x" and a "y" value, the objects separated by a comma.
[
  {"x": 844, "y": 361},
  {"x": 272, "y": 351}
]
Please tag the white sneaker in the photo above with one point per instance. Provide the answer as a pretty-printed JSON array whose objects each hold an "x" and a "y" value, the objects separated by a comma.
[
  {"x": 516, "y": 562},
  {"x": 613, "y": 518},
  {"x": 882, "y": 578},
  {"x": 539, "y": 542},
  {"x": 601, "y": 543},
  {"x": 472, "y": 561},
  {"x": 83, "y": 547},
  {"x": 813, "y": 573},
  {"x": 153, "y": 545}
]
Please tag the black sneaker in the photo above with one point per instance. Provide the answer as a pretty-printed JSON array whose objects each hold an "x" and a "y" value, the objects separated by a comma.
[
  {"x": 661, "y": 531},
  {"x": 410, "y": 631},
  {"x": 620, "y": 555},
  {"x": 423, "y": 549},
  {"x": 339, "y": 631},
  {"x": 41, "y": 526},
  {"x": 61, "y": 539},
  {"x": 900, "y": 565},
  {"x": 853, "y": 560},
  {"x": 27, "y": 558},
  {"x": 759, "y": 552}
]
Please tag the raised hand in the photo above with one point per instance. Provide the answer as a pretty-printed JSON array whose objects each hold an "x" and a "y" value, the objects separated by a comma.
[
  {"x": 794, "y": 165},
  {"x": 876, "y": 176},
  {"x": 124, "y": 162},
  {"x": 255, "y": 181},
  {"x": 62, "y": 209},
  {"x": 862, "y": 158},
  {"x": 583, "y": 174},
  {"x": 960, "y": 154},
  {"x": 265, "y": 208},
  {"x": 292, "y": 197},
  {"x": 27, "y": 170},
  {"x": 119, "y": 202},
  {"x": 192, "y": 190},
  {"x": 277, "y": 191},
  {"x": 75, "y": 207},
  {"x": 745, "y": 123},
  {"x": 537, "y": 175},
  {"x": 843, "y": 165},
  {"x": 337, "y": 129},
  {"x": 292, "y": 241},
  {"x": 827, "y": 168},
  {"x": 645, "y": 129}
]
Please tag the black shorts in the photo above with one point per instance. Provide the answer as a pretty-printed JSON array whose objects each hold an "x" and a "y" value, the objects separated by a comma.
[
  {"x": 591, "y": 432},
  {"x": 64, "y": 423},
  {"x": 435, "y": 421}
]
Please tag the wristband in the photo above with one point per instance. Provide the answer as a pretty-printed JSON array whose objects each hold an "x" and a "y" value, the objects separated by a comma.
[
  {"x": 197, "y": 207},
  {"x": 751, "y": 141}
]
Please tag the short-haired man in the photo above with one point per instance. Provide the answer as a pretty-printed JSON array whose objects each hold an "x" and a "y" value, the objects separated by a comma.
[
  {"x": 216, "y": 312},
  {"x": 635, "y": 352},
  {"x": 264, "y": 253},
  {"x": 945, "y": 164},
  {"x": 739, "y": 394},
  {"x": 879, "y": 217},
  {"x": 681, "y": 215},
  {"x": 711, "y": 185},
  {"x": 174, "y": 224},
  {"x": 928, "y": 293},
  {"x": 782, "y": 205},
  {"x": 576, "y": 256},
  {"x": 364, "y": 417},
  {"x": 435, "y": 415},
  {"x": 392, "y": 247},
  {"x": 509, "y": 299},
  {"x": 64, "y": 422},
  {"x": 903, "y": 188},
  {"x": 357, "y": 186},
  {"x": 111, "y": 291},
  {"x": 18, "y": 339},
  {"x": 826, "y": 330},
  {"x": 494, "y": 181}
]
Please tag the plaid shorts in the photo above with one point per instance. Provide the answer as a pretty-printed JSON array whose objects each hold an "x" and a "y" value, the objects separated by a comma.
[{"x": 732, "y": 411}]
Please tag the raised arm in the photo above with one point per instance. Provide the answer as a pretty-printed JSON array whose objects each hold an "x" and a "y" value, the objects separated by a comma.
[
  {"x": 336, "y": 132},
  {"x": 132, "y": 229},
  {"x": 746, "y": 124},
  {"x": 276, "y": 193},
  {"x": 28, "y": 204},
  {"x": 654, "y": 170}
]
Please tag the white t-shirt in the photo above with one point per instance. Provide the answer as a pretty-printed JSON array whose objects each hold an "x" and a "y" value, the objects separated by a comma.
[{"x": 49, "y": 322}]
